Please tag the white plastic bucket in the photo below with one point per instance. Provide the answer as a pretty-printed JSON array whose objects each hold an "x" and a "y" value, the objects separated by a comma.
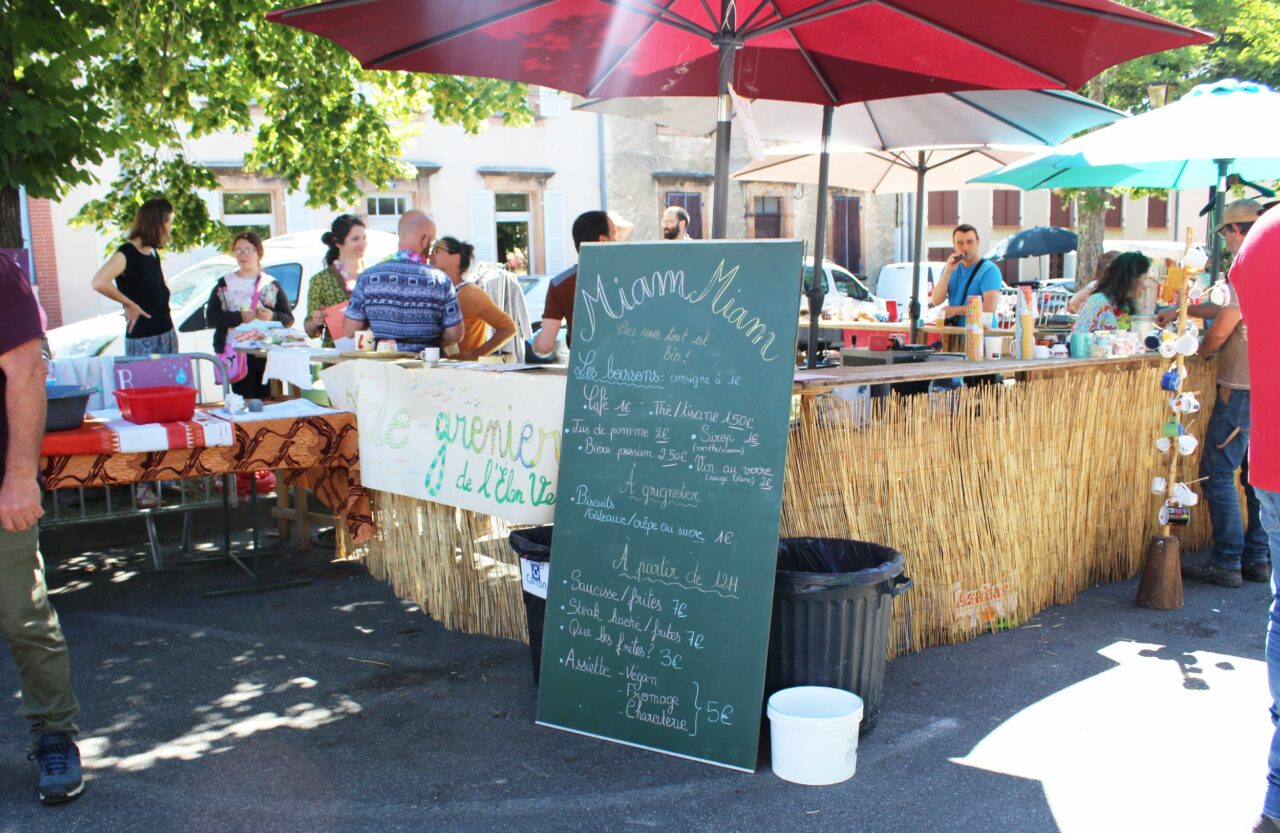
[{"x": 814, "y": 733}]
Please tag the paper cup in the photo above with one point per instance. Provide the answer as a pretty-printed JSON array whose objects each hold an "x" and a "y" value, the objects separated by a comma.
[{"x": 1187, "y": 444}]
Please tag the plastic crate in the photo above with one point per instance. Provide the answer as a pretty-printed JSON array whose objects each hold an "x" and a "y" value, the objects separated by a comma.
[{"x": 166, "y": 403}]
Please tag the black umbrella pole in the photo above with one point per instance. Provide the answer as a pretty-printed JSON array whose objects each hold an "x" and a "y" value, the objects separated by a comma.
[
  {"x": 913, "y": 309},
  {"x": 817, "y": 286},
  {"x": 724, "y": 127}
]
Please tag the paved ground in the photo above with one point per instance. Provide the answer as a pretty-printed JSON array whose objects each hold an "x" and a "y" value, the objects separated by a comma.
[{"x": 336, "y": 707}]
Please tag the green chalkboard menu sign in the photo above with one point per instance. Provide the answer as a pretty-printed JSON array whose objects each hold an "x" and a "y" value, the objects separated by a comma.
[{"x": 670, "y": 484}]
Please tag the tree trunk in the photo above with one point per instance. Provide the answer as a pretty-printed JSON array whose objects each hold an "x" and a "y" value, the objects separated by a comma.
[
  {"x": 10, "y": 218},
  {"x": 1090, "y": 214}
]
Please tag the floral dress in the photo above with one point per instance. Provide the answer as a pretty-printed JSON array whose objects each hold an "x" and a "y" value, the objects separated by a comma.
[
  {"x": 327, "y": 288},
  {"x": 1097, "y": 313}
]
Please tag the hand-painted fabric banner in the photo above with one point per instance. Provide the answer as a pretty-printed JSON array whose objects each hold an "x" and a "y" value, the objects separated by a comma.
[{"x": 487, "y": 442}]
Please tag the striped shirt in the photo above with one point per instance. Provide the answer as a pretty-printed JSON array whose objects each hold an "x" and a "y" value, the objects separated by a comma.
[{"x": 409, "y": 302}]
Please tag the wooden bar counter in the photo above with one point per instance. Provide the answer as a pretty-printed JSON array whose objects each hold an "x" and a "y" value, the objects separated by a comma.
[{"x": 1005, "y": 498}]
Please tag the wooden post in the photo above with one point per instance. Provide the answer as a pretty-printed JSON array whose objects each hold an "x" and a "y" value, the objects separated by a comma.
[{"x": 1161, "y": 585}]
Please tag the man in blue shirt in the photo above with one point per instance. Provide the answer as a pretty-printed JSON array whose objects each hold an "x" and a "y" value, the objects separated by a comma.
[
  {"x": 404, "y": 298},
  {"x": 966, "y": 275}
]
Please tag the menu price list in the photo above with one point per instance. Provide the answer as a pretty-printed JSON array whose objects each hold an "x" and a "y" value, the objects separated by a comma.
[{"x": 666, "y": 534}]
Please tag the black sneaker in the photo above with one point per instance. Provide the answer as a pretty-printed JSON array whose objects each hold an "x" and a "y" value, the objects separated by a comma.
[
  {"x": 1257, "y": 572},
  {"x": 1210, "y": 573},
  {"x": 59, "y": 760}
]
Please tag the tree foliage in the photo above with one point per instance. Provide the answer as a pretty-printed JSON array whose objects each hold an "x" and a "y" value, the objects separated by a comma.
[{"x": 82, "y": 81}]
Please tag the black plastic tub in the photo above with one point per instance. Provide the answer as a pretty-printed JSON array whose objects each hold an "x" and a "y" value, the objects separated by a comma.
[{"x": 67, "y": 406}]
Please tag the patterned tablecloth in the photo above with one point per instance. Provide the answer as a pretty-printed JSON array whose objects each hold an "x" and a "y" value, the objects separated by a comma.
[{"x": 320, "y": 452}]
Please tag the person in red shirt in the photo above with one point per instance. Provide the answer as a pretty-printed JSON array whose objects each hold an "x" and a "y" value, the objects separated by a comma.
[
  {"x": 590, "y": 227},
  {"x": 27, "y": 619},
  {"x": 1255, "y": 274}
]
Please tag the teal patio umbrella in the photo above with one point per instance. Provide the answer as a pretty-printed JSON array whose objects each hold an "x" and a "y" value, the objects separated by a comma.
[{"x": 1216, "y": 130}]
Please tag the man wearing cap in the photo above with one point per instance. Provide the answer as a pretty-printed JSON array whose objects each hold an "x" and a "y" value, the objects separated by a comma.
[
  {"x": 589, "y": 227},
  {"x": 1237, "y": 554},
  {"x": 1255, "y": 274}
]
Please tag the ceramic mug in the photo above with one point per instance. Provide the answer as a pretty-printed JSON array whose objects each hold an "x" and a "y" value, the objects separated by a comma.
[
  {"x": 1187, "y": 444},
  {"x": 1164, "y": 444},
  {"x": 1058, "y": 351},
  {"x": 1187, "y": 344},
  {"x": 1169, "y": 348},
  {"x": 991, "y": 346},
  {"x": 1040, "y": 352},
  {"x": 1159, "y": 485},
  {"x": 1183, "y": 494},
  {"x": 1171, "y": 381},
  {"x": 431, "y": 355},
  {"x": 364, "y": 340},
  {"x": 1185, "y": 403},
  {"x": 1219, "y": 294},
  {"x": 1152, "y": 341},
  {"x": 1172, "y": 514}
]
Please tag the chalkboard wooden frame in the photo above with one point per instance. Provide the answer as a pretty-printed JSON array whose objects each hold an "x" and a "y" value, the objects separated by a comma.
[{"x": 665, "y": 546}]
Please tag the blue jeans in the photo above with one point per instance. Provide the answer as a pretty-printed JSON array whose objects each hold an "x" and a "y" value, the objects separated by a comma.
[
  {"x": 1271, "y": 523},
  {"x": 1226, "y": 447}
]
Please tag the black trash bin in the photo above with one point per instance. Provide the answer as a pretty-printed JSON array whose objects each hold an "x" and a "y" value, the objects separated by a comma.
[
  {"x": 533, "y": 545},
  {"x": 832, "y": 606}
]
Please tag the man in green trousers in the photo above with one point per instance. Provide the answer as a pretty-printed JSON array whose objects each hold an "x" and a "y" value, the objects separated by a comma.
[{"x": 27, "y": 619}]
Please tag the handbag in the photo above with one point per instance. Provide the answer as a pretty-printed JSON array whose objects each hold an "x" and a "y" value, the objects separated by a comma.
[{"x": 234, "y": 364}]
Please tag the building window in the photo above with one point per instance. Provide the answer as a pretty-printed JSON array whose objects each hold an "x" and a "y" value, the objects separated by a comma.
[
  {"x": 767, "y": 214},
  {"x": 690, "y": 201},
  {"x": 1157, "y": 212},
  {"x": 1115, "y": 213},
  {"x": 944, "y": 208},
  {"x": 1060, "y": 211},
  {"x": 846, "y": 232},
  {"x": 513, "y": 216},
  {"x": 1006, "y": 208},
  {"x": 939, "y": 254},
  {"x": 249, "y": 211},
  {"x": 384, "y": 210}
]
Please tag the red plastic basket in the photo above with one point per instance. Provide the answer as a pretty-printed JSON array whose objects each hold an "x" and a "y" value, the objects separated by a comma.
[{"x": 166, "y": 403}]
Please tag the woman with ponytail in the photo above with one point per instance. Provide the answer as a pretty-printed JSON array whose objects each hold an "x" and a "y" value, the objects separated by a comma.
[
  {"x": 342, "y": 264},
  {"x": 479, "y": 313}
]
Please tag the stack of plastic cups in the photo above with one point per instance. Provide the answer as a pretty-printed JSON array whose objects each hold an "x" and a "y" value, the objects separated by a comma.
[
  {"x": 1026, "y": 335},
  {"x": 973, "y": 330}
]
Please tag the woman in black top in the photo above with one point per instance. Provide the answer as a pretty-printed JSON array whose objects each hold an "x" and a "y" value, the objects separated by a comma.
[
  {"x": 245, "y": 295},
  {"x": 132, "y": 277}
]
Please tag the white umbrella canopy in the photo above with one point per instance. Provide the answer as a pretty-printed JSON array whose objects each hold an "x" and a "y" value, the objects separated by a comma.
[
  {"x": 983, "y": 117},
  {"x": 883, "y": 172}
]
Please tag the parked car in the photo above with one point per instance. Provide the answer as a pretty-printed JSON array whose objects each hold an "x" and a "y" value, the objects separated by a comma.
[
  {"x": 895, "y": 279},
  {"x": 839, "y": 283},
  {"x": 290, "y": 258}
]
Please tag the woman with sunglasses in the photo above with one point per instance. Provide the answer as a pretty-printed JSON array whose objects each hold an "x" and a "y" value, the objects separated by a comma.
[{"x": 479, "y": 312}]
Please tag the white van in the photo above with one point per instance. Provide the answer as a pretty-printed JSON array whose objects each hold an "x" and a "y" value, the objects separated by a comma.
[
  {"x": 839, "y": 283},
  {"x": 290, "y": 258},
  {"x": 894, "y": 282}
]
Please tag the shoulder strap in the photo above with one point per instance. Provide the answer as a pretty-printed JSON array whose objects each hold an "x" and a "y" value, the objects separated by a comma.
[
  {"x": 964, "y": 299},
  {"x": 258, "y": 287}
]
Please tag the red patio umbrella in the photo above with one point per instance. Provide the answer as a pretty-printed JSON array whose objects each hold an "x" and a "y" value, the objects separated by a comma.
[{"x": 827, "y": 52}]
